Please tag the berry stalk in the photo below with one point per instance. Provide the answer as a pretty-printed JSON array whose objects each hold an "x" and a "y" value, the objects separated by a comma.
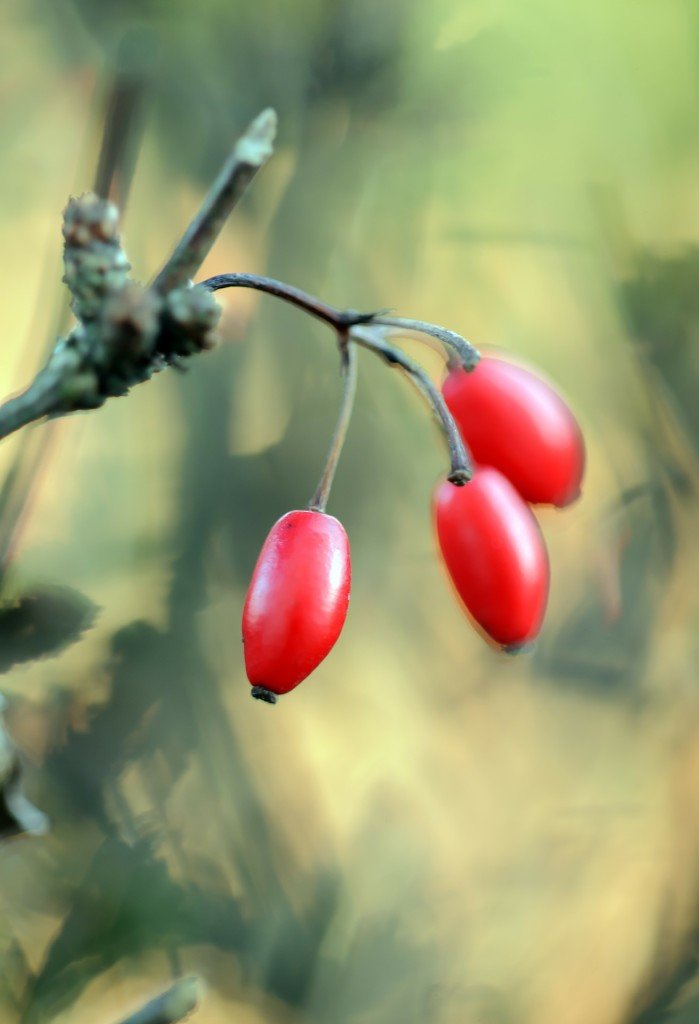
[
  {"x": 348, "y": 369},
  {"x": 461, "y": 468}
]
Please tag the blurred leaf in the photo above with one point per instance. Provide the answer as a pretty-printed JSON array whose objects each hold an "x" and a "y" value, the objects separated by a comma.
[
  {"x": 43, "y": 623},
  {"x": 602, "y": 646},
  {"x": 662, "y": 300},
  {"x": 661, "y": 305},
  {"x": 291, "y": 978},
  {"x": 15, "y": 973},
  {"x": 126, "y": 905},
  {"x": 369, "y": 991},
  {"x": 678, "y": 999},
  {"x": 118, "y": 730},
  {"x": 469, "y": 1004}
]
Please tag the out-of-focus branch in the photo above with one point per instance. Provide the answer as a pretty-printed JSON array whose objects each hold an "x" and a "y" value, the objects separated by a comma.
[
  {"x": 171, "y": 1006},
  {"x": 126, "y": 96},
  {"x": 37, "y": 401}
]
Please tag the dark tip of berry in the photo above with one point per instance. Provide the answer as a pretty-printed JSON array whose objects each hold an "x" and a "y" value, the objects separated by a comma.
[
  {"x": 259, "y": 693},
  {"x": 459, "y": 477},
  {"x": 526, "y": 648}
]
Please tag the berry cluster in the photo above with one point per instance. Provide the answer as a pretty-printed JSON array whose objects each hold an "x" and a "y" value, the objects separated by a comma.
[
  {"x": 527, "y": 449},
  {"x": 526, "y": 446}
]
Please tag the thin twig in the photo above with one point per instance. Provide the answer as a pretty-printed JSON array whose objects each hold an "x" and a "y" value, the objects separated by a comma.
[
  {"x": 250, "y": 153},
  {"x": 340, "y": 319},
  {"x": 467, "y": 354},
  {"x": 39, "y": 400},
  {"x": 171, "y": 1006},
  {"x": 348, "y": 369},
  {"x": 126, "y": 334},
  {"x": 461, "y": 467}
]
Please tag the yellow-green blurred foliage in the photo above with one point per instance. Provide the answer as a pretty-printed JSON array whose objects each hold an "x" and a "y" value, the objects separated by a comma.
[{"x": 425, "y": 831}]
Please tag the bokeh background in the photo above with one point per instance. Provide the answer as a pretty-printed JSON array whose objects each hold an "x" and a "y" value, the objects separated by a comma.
[{"x": 426, "y": 830}]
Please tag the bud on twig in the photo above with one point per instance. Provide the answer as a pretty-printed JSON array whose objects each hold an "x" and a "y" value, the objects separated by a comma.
[
  {"x": 189, "y": 322},
  {"x": 96, "y": 266}
]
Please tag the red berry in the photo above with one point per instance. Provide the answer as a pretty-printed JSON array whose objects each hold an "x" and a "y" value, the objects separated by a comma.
[
  {"x": 297, "y": 601},
  {"x": 495, "y": 555},
  {"x": 516, "y": 422}
]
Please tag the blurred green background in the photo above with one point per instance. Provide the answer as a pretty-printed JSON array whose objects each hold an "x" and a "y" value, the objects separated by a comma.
[{"x": 426, "y": 830}]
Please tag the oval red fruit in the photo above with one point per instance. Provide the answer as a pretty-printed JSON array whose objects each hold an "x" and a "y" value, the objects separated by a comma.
[
  {"x": 297, "y": 601},
  {"x": 513, "y": 420},
  {"x": 495, "y": 555}
]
